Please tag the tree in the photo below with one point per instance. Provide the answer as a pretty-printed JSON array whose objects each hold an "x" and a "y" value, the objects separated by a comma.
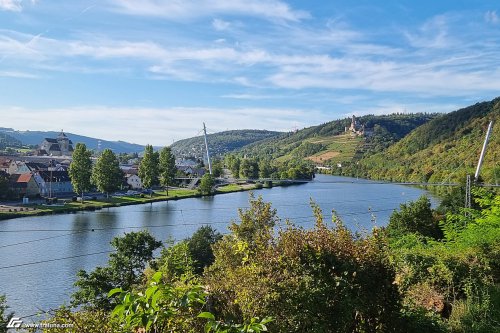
[
  {"x": 148, "y": 169},
  {"x": 249, "y": 169},
  {"x": 200, "y": 247},
  {"x": 207, "y": 184},
  {"x": 167, "y": 167},
  {"x": 107, "y": 175},
  {"x": 80, "y": 169},
  {"x": 414, "y": 217},
  {"x": 125, "y": 269}
]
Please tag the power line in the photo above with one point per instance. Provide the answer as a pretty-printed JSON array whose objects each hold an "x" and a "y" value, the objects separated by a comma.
[{"x": 56, "y": 259}]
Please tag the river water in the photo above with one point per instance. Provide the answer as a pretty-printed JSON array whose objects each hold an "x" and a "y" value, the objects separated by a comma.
[{"x": 39, "y": 256}]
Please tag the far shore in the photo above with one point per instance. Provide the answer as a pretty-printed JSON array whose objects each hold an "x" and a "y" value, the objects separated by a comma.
[{"x": 18, "y": 211}]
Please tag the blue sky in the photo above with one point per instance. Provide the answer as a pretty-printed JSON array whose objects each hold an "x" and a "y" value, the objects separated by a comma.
[{"x": 152, "y": 71}]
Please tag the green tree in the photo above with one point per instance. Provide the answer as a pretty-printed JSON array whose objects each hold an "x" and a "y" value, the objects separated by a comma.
[
  {"x": 125, "y": 269},
  {"x": 106, "y": 174},
  {"x": 148, "y": 169},
  {"x": 414, "y": 217},
  {"x": 80, "y": 169},
  {"x": 217, "y": 168},
  {"x": 207, "y": 184},
  {"x": 167, "y": 167},
  {"x": 200, "y": 247},
  {"x": 265, "y": 168},
  {"x": 249, "y": 169}
]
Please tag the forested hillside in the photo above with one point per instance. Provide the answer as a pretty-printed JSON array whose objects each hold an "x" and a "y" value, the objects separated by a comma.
[
  {"x": 219, "y": 143},
  {"x": 329, "y": 144},
  {"x": 444, "y": 149}
]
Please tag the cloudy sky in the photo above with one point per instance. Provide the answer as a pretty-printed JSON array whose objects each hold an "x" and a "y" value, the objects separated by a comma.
[{"x": 152, "y": 71}]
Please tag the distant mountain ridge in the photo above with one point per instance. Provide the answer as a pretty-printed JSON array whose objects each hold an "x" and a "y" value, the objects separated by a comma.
[
  {"x": 220, "y": 143},
  {"x": 36, "y": 137}
]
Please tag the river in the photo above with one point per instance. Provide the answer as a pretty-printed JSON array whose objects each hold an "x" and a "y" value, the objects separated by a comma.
[{"x": 39, "y": 256}]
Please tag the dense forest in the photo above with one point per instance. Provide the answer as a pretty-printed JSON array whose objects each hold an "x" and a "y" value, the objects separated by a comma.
[
  {"x": 219, "y": 143},
  {"x": 444, "y": 149},
  {"x": 427, "y": 271}
]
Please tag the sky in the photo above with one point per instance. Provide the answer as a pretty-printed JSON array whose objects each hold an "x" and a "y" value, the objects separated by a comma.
[{"x": 152, "y": 71}]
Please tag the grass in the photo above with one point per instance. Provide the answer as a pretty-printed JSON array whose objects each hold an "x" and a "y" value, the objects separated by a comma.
[
  {"x": 91, "y": 205},
  {"x": 230, "y": 188}
]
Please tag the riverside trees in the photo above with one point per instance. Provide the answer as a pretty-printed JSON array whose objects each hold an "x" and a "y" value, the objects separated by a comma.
[
  {"x": 106, "y": 174},
  {"x": 80, "y": 169}
]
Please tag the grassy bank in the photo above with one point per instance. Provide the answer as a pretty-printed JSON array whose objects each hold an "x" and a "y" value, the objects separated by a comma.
[{"x": 92, "y": 205}]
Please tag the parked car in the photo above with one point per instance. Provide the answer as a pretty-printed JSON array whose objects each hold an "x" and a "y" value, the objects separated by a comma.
[
  {"x": 148, "y": 191},
  {"x": 131, "y": 192}
]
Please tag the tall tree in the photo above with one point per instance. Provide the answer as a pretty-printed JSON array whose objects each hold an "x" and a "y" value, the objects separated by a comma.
[
  {"x": 80, "y": 169},
  {"x": 167, "y": 167},
  {"x": 125, "y": 268},
  {"x": 107, "y": 175},
  {"x": 207, "y": 184},
  {"x": 148, "y": 169}
]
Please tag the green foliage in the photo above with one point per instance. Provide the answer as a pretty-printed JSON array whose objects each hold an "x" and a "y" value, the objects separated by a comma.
[
  {"x": 249, "y": 169},
  {"x": 148, "y": 168},
  {"x": 200, "y": 247},
  {"x": 220, "y": 143},
  {"x": 106, "y": 174},
  {"x": 4, "y": 316},
  {"x": 176, "y": 262},
  {"x": 319, "y": 280},
  {"x": 207, "y": 184},
  {"x": 255, "y": 325},
  {"x": 80, "y": 169},
  {"x": 167, "y": 169},
  {"x": 217, "y": 168},
  {"x": 88, "y": 321},
  {"x": 125, "y": 267},
  {"x": 458, "y": 276},
  {"x": 443, "y": 150},
  {"x": 160, "y": 308},
  {"x": 414, "y": 217},
  {"x": 330, "y": 137}
]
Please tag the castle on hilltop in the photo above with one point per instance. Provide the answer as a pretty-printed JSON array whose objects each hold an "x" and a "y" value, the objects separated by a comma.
[
  {"x": 62, "y": 146},
  {"x": 358, "y": 129}
]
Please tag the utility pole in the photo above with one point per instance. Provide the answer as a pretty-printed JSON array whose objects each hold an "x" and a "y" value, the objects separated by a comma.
[
  {"x": 483, "y": 151},
  {"x": 478, "y": 169},
  {"x": 206, "y": 147},
  {"x": 467, "y": 196}
]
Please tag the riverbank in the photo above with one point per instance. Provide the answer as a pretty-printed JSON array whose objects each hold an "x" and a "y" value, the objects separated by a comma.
[{"x": 12, "y": 212}]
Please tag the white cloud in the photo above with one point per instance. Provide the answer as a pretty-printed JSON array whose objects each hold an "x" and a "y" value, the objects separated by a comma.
[
  {"x": 432, "y": 34},
  {"x": 157, "y": 126},
  {"x": 491, "y": 17},
  {"x": 189, "y": 9},
  {"x": 11, "y": 5},
  {"x": 20, "y": 75},
  {"x": 220, "y": 25}
]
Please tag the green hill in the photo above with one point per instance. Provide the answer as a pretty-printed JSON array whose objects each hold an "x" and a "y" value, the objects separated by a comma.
[
  {"x": 444, "y": 149},
  {"x": 219, "y": 143},
  {"x": 328, "y": 144}
]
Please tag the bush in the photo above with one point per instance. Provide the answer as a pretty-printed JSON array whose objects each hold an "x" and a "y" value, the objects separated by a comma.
[{"x": 319, "y": 280}]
